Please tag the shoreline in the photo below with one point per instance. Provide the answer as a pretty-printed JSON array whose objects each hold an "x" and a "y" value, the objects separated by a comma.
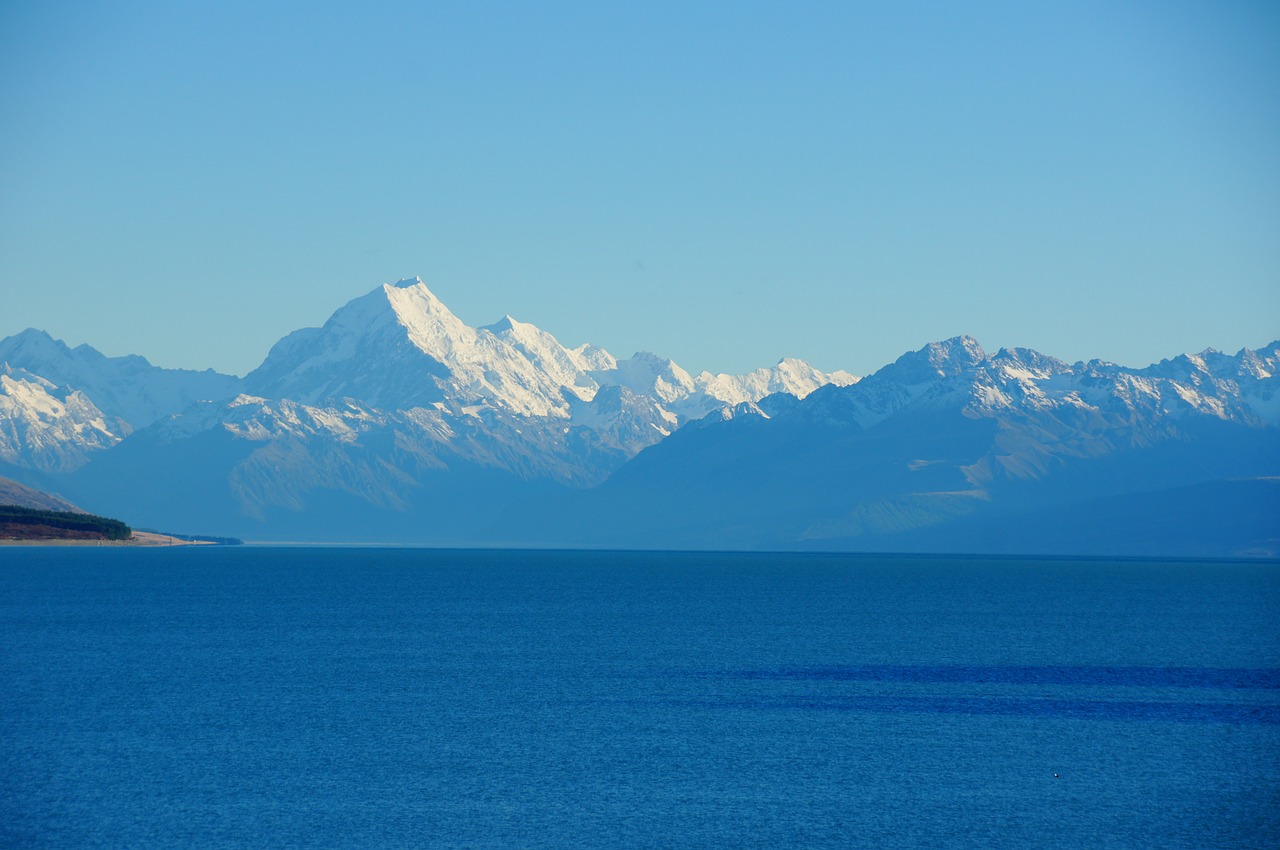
[{"x": 139, "y": 538}]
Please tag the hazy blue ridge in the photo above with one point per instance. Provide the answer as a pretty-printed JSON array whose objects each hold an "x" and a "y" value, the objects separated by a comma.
[{"x": 397, "y": 422}]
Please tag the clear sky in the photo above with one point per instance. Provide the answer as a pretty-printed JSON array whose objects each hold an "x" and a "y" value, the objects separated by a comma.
[{"x": 722, "y": 183}]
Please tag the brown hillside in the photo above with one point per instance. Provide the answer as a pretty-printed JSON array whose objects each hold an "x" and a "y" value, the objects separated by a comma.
[{"x": 13, "y": 493}]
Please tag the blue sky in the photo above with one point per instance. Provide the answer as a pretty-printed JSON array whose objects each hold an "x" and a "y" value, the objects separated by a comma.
[{"x": 722, "y": 183}]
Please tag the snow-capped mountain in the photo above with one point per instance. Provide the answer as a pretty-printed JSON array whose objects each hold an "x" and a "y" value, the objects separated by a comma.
[
  {"x": 392, "y": 390},
  {"x": 689, "y": 397},
  {"x": 127, "y": 388},
  {"x": 648, "y": 374},
  {"x": 567, "y": 367},
  {"x": 791, "y": 376},
  {"x": 957, "y": 373},
  {"x": 50, "y": 428},
  {"x": 399, "y": 347},
  {"x": 396, "y": 420},
  {"x": 939, "y": 448},
  {"x": 59, "y": 406}
]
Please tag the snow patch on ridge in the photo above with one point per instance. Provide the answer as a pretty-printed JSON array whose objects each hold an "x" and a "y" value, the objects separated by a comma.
[
  {"x": 399, "y": 347},
  {"x": 50, "y": 428},
  {"x": 790, "y": 375}
]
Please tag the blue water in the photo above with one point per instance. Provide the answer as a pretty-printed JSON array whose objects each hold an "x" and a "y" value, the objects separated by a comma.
[{"x": 250, "y": 697}]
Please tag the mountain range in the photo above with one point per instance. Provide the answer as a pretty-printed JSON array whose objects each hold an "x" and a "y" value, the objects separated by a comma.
[{"x": 397, "y": 422}]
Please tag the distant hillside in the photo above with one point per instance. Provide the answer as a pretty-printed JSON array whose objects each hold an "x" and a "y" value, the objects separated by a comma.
[
  {"x": 30, "y": 514},
  {"x": 1229, "y": 518},
  {"x": 950, "y": 449},
  {"x": 13, "y": 493}
]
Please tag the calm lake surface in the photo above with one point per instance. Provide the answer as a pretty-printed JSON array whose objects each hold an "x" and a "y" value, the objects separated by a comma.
[{"x": 250, "y": 697}]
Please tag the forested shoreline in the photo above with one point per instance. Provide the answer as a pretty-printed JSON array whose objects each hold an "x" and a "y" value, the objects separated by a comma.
[{"x": 31, "y": 523}]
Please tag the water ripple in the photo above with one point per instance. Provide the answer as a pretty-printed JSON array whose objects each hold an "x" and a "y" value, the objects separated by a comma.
[
  {"x": 1040, "y": 708},
  {"x": 1217, "y": 678}
]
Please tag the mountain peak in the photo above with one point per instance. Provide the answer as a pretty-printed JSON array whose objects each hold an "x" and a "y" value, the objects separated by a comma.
[
  {"x": 416, "y": 300},
  {"x": 33, "y": 333},
  {"x": 399, "y": 346},
  {"x": 507, "y": 323},
  {"x": 943, "y": 359},
  {"x": 964, "y": 348},
  {"x": 32, "y": 341},
  {"x": 1027, "y": 363}
]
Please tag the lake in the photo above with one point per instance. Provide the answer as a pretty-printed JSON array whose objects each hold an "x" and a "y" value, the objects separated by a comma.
[{"x": 333, "y": 697}]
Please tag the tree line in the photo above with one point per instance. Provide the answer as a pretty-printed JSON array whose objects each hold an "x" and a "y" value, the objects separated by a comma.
[{"x": 111, "y": 529}]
